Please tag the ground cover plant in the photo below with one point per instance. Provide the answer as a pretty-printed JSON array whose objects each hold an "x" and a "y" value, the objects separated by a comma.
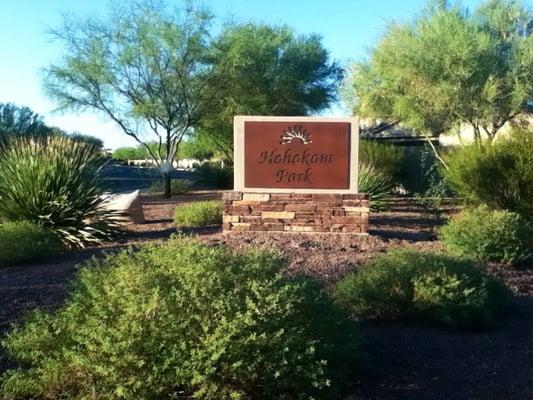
[
  {"x": 178, "y": 186},
  {"x": 22, "y": 242},
  {"x": 198, "y": 214},
  {"x": 428, "y": 287},
  {"x": 489, "y": 235},
  {"x": 181, "y": 320},
  {"x": 55, "y": 182}
]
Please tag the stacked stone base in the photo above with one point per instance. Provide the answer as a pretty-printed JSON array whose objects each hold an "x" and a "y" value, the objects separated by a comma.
[{"x": 296, "y": 212}]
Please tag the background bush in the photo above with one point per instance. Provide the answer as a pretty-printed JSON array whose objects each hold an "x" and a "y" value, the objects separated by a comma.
[
  {"x": 22, "y": 242},
  {"x": 198, "y": 214},
  {"x": 54, "y": 182},
  {"x": 499, "y": 175},
  {"x": 179, "y": 186},
  {"x": 377, "y": 185},
  {"x": 434, "y": 288},
  {"x": 213, "y": 175},
  {"x": 181, "y": 320},
  {"x": 384, "y": 158},
  {"x": 489, "y": 235}
]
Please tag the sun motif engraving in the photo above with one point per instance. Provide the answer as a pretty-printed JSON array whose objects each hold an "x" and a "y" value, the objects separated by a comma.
[{"x": 295, "y": 132}]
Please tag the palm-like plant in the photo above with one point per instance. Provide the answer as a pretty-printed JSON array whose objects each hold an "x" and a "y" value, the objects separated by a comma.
[
  {"x": 55, "y": 182},
  {"x": 376, "y": 184}
]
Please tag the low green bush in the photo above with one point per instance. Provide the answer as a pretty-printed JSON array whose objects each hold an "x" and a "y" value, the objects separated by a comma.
[
  {"x": 178, "y": 186},
  {"x": 427, "y": 287},
  {"x": 377, "y": 185},
  {"x": 499, "y": 175},
  {"x": 198, "y": 214},
  {"x": 489, "y": 235},
  {"x": 22, "y": 242},
  {"x": 181, "y": 320},
  {"x": 385, "y": 158},
  {"x": 213, "y": 175}
]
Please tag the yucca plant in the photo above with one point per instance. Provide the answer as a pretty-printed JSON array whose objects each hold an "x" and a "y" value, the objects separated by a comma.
[
  {"x": 377, "y": 185},
  {"x": 55, "y": 183}
]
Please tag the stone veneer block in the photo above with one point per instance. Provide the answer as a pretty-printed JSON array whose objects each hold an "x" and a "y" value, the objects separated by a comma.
[
  {"x": 345, "y": 213},
  {"x": 357, "y": 209},
  {"x": 278, "y": 214},
  {"x": 256, "y": 196}
]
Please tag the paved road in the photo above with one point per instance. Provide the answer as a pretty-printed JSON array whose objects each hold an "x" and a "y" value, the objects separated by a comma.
[{"x": 120, "y": 178}]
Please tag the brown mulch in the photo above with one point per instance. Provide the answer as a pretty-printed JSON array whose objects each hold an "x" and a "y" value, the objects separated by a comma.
[{"x": 403, "y": 361}]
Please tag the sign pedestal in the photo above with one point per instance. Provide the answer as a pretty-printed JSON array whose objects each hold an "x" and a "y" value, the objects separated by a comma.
[{"x": 296, "y": 212}]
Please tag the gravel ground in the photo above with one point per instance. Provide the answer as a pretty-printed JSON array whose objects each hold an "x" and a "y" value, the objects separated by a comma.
[{"x": 403, "y": 361}]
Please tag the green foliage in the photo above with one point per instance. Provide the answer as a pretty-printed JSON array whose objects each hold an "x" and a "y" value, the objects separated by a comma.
[
  {"x": 449, "y": 67},
  {"x": 55, "y": 183},
  {"x": 377, "y": 185},
  {"x": 181, "y": 320},
  {"x": 22, "y": 242},
  {"x": 198, "y": 214},
  {"x": 436, "y": 196},
  {"x": 489, "y": 235},
  {"x": 259, "y": 69},
  {"x": 214, "y": 176},
  {"x": 88, "y": 139},
  {"x": 498, "y": 174},
  {"x": 20, "y": 121},
  {"x": 385, "y": 158},
  {"x": 126, "y": 153},
  {"x": 179, "y": 186},
  {"x": 427, "y": 287},
  {"x": 197, "y": 148}
]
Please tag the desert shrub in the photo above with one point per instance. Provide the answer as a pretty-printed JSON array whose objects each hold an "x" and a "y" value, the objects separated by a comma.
[
  {"x": 489, "y": 235},
  {"x": 55, "y": 183},
  {"x": 377, "y": 185},
  {"x": 428, "y": 287},
  {"x": 385, "y": 158},
  {"x": 181, "y": 320},
  {"x": 499, "y": 175},
  {"x": 178, "y": 186},
  {"x": 22, "y": 242},
  {"x": 437, "y": 198},
  {"x": 214, "y": 176},
  {"x": 199, "y": 213}
]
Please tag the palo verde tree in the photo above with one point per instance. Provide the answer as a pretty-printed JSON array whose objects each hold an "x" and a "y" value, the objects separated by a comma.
[
  {"x": 143, "y": 67},
  {"x": 449, "y": 68},
  {"x": 265, "y": 70}
]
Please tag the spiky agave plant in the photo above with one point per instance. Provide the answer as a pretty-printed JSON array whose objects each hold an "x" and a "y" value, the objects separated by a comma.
[
  {"x": 55, "y": 182},
  {"x": 377, "y": 185}
]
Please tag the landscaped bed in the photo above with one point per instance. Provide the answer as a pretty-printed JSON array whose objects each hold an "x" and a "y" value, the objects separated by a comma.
[{"x": 401, "y": 361}]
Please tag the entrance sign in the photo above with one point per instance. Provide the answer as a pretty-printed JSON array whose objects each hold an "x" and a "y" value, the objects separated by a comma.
[{"x": 296, "y": 154}]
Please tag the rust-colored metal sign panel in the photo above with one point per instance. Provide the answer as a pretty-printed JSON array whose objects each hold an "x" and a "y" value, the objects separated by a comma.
[{"x": 297, "y": 155}]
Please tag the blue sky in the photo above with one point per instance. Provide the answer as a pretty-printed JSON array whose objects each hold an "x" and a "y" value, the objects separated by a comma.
[{"x": 348, "y": 29}]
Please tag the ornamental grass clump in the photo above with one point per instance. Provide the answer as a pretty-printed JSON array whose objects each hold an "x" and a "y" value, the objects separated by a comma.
[
  {"x": 54, "y": 182},
  {"x": 181, "y": 320},
  {"x": 416, "y": 286},
  {"x": 377, "y": 185},
  {"x": 23, "y": 242}
]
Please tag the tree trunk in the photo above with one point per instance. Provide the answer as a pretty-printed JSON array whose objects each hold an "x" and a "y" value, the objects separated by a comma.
[{"x": 168, "y": 184}]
